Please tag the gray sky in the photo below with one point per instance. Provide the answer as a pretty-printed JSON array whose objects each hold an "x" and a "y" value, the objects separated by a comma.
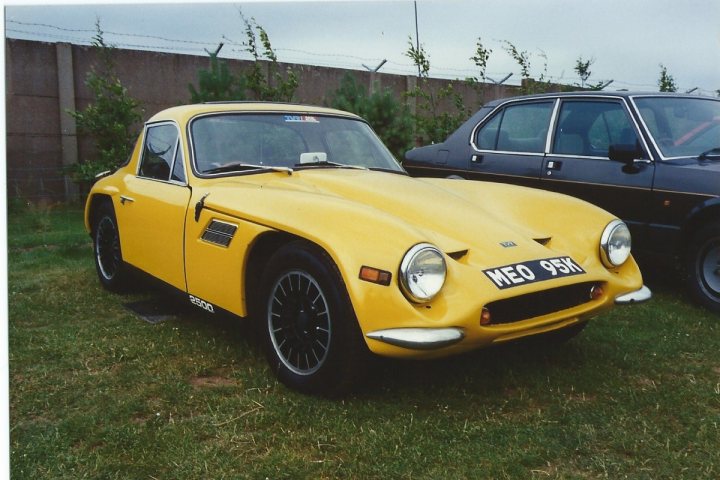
[{"x": 628, "y": 39}]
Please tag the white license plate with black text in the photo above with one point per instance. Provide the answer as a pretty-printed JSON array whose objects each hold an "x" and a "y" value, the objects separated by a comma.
[{"x": 533, "y": 271}]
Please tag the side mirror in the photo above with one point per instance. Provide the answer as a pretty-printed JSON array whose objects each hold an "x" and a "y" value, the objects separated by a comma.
[{"x": 627, "y": 153}]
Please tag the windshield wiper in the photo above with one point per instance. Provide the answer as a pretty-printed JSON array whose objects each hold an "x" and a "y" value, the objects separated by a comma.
[
  {"x": 240, "y": 166},
  {"x": 712, "y": 154},
  {"x": 325, "y": 163}
]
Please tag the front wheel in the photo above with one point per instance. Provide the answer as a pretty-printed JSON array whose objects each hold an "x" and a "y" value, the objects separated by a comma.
[
  {"x": 703, "y": 266},
  {"x": 311, "y": 337}
]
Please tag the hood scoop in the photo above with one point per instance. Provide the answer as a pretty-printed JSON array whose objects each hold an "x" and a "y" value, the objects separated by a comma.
[
  {"x": 457, "y": 255},
  {"x": 543, "y": 240}
]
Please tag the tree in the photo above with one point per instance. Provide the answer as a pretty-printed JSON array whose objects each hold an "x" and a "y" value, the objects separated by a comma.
[
  {"x": 275, "y": 86},
  {"x": 522, "y": 58},
  {"x": 110, "y": 120},
  {"x": 480, "y": 59},
  {"x": 666, "y": 81},
  {"x": 217, "y": 84},
  {"x": 389, "y": 117}
]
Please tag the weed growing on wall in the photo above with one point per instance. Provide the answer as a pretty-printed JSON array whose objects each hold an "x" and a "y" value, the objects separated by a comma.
[{"x": 110, "y": 120}]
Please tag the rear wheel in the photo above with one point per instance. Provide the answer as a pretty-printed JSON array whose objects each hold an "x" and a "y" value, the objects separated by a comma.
[
  {"x": 109, "y": 264},
  {"x": 311, "y": 337},
  {"x": 703, "y": 266}
]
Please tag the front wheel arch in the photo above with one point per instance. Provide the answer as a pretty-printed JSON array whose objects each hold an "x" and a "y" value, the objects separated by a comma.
[
  {"x": 300, "y": 319},
  {"x": 702, "y": 265}
]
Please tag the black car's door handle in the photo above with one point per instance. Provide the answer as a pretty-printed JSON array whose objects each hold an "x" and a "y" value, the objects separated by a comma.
[
  {"x": 476, "y": 159},
  {"x": 554, "y": 165}
]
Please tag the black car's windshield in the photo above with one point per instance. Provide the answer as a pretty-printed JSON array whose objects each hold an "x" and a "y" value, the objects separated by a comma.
[
  {"x": 240, "y": 142},
  {"x": 682, "y": 126}
]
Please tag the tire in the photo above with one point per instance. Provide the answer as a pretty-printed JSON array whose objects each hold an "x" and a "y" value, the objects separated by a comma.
[
  {"x": 310, "y": 333},
  {"x": 111, "y": 269},
  {"x": 703, "y": 266}
]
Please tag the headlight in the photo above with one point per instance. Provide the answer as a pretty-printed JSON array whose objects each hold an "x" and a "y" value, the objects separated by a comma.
[
  {"x": 422, "y": 272},
  {"x": 615, "y": 244}
]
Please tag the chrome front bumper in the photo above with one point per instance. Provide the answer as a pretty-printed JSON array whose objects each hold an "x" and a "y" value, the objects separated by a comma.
[
  {"x": 638, "y": 296},
  {"x": 419, "y": 338}
]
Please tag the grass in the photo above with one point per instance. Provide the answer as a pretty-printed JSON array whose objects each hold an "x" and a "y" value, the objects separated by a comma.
[{"x": 95, "y": 392}]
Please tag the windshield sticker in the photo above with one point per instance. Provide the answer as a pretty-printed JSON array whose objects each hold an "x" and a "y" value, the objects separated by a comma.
[
  {"x": 301, "y": 119},
  {"x": 533, "y": 271}
]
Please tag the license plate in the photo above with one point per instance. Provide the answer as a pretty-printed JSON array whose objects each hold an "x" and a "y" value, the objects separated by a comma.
[{"x": 532, "y": 271}]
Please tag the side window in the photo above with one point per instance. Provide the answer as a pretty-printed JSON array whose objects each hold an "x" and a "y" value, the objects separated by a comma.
[
  {"x": 178, "y": 172},
  {"x": 518, "y": 128},
  {"x": 159, "y": 152},
  {"x": 588, "y": 128}
]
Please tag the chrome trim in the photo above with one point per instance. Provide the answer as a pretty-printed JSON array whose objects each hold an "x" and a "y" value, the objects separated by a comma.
[
  {"x": 646, "y": 129},
  {"x": 638, "y": 296},
  {"x": 405, "y": 264},
  {"x": 419, "y": 338},
  {"x": 178, "y": 146},
  {"x": 629, "y": 106},
  {"x": 219, "y": 233},
  {"x": 125, "y": 198},
  {"x": 605, "y": 240},
  {"x": 490, "y": 115}
]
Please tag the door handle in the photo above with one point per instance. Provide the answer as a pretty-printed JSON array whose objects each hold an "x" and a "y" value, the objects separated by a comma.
[
  {"x": 554, "y": 165},
  {"x": 124, "y": 199},
  {"x": 476, "y": 159}
]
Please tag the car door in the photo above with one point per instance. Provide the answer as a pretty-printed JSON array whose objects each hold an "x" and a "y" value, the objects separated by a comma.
[
  {"x": 152, "y": 208},
  {"x": 578, "y": 162},
  {"x": 510, "y": 146}
]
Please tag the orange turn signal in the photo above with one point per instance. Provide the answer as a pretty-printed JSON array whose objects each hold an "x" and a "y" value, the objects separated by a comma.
[
  {"x": 485, "y": 317},
  {"x": 374, "y": 275},
  {"x": 596, "y": 292}
]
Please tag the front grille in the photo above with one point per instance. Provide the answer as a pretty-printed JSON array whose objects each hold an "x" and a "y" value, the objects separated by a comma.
[
  {"x": 219, "y": 233},
  {"x": 536, "y": 304}
]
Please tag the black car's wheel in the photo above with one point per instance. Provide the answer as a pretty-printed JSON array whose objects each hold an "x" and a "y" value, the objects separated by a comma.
[
  {"x": 311, "y": 336},
  {"x": 111, "y": 268},
  {"x": 703, "y": 266}
]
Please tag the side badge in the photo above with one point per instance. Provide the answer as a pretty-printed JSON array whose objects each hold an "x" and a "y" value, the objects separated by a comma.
[{"x": 508, "y": 244}]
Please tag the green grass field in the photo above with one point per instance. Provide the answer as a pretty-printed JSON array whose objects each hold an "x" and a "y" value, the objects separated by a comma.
[{"x": 96, "y": 392}]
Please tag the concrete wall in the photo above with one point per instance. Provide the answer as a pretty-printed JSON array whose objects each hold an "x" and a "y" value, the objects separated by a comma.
[{"x": 44, "y": 80}]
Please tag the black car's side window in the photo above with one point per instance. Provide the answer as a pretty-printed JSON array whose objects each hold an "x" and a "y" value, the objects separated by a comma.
[
  {"x": 517, "y": 128},
  {"x": 160, "y": 152},
  {"x": 588, "y": 128}
]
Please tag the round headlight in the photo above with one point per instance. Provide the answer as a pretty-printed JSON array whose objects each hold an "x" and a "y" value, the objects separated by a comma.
[
  {"x": 422, "y": 272},
  {"x": 615, "y": 244}
]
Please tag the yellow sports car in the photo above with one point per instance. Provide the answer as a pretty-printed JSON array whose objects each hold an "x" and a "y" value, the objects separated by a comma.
[{"x": 299, "y": 218}]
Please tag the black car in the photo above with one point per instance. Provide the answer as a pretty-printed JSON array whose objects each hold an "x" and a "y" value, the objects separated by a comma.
[{"x": 653, "y": 159}]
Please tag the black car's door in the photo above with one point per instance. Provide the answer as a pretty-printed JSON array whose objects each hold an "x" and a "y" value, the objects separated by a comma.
[
  {"x": 578, "y": 163},
  {"x": 510, "y": 146}
]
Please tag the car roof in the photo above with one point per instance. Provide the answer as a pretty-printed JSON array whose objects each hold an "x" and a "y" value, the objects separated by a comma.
[
  {"x": 596, "y": 93},
  {"x": 186, "y": 112}
]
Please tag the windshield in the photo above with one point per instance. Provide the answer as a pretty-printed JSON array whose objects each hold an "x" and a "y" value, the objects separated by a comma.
[
  {"x": 681, "y": 127},
  {"x": 234, "y": 142}
]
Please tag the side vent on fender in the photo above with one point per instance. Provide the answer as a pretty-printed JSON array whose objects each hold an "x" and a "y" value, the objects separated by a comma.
[{"x": 219, "y": 233}]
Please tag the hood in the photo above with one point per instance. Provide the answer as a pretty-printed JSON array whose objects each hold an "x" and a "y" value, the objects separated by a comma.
[{"x": 479, "y": 217}]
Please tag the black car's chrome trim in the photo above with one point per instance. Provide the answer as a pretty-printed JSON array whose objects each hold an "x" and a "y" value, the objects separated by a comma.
[
  {"x": 645, "y": 127},
  {"x": 559, "y": 99}
]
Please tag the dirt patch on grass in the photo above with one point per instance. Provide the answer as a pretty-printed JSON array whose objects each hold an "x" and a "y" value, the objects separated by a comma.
[{"x": 213, "y": 382}]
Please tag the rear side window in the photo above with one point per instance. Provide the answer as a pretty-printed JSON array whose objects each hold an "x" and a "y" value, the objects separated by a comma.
[
  {"x": 160, "y": 153},
  {"x": 517, "y": 128}
]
